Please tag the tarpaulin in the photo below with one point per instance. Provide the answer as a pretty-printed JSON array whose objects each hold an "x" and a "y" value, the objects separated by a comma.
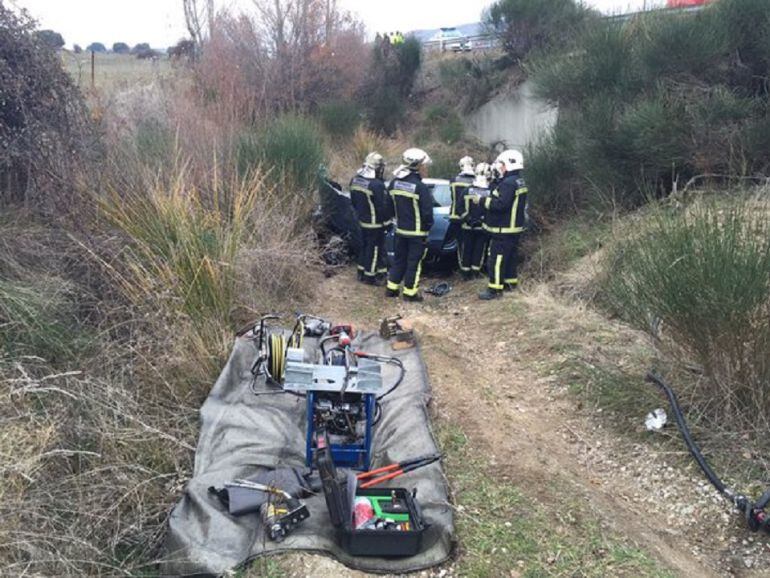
[{"x": 243, "y": 434}]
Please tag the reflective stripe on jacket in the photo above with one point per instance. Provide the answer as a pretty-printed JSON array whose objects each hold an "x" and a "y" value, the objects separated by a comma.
[
  {"x": 412, "y": 206},
  {"x": 505, "y": 208},
  {"x": 459, "y": 187},
  {"x": 368, "y": 198},
  {"x": 474, "y": 212}
]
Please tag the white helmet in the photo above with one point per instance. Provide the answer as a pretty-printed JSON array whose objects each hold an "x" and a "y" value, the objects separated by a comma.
[
  {"x": 466, "y": 166},
  {"x": 415, "y": 158},
  {"x": 484, "y": 169},
  {"x": 373, "y": 166},
  {"x": 483, "y": 173},
  {"x": 374, "y": 161},
  {"x": 512, "y": 160}
]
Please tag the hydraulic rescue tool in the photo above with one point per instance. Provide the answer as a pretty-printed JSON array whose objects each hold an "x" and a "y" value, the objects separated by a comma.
[
  {"x": 280, "y": 514},
  {"x": 755, "y": 512}
]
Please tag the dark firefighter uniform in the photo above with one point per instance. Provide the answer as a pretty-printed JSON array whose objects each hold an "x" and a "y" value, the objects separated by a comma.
[
  {"x": 412, "y": 205},
  {"x": 458, "y": 187},
  {"x": 504, "y": 221},
  {"x": 474, "y": 237},
  {"x": 368, "y": 197}
]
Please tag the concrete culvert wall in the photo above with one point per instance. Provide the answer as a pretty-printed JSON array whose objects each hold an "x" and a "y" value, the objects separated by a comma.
[{"x": 515, "y": 119}]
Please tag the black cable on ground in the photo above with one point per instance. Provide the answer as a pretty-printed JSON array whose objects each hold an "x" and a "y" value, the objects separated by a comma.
[{"x": 756, "y": 518}]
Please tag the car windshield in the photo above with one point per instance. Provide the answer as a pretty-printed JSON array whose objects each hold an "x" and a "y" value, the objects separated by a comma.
[{"x": 442, "y": 196}]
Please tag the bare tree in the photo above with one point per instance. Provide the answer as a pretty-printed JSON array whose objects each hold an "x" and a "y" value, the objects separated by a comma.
[
  {"x": 197, "y": 17},
  {"x": 294, "y": 31},
  {"x": 287, "y": 55}
]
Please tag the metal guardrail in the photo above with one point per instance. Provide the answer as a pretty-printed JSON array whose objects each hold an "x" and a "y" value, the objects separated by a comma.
[
  {"x": 478, "y": 42},
  {"x": 489, "y": 41}
]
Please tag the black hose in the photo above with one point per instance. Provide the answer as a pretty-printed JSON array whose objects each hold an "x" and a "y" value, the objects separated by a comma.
[
  {"x": 756, "y": 518},
  {"x": 402, "y": 373},
  {"x": 685, "y": 431}
]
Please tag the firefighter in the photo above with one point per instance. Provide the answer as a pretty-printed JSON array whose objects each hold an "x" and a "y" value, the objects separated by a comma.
[
  {"x": 458, "y": 210},
  {"x": 412, "y": 207},
  {"x": 474, "y": 237},
  {"x": 367, "y": 193},
  {"x": 504, "y": 221}
]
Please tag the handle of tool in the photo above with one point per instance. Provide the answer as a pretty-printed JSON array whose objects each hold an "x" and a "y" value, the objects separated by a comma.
[
  {"x": 377, "y": 481},
  {"x": 373, "y": 473}
]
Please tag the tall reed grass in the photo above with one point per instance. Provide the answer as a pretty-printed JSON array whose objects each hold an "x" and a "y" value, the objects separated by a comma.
[{"x": 699, "y": 280}]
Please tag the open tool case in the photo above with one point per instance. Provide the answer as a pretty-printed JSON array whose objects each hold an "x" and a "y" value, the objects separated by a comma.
[{"x": 380, "y": 543}]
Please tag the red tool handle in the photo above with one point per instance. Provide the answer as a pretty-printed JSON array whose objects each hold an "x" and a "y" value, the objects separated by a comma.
[
  {"x": 373, "y": 473},
  {"x": 377, "y": 481}
]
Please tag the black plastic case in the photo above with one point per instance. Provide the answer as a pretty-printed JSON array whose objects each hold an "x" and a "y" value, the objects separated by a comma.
[{"x": 378, "y": 543}]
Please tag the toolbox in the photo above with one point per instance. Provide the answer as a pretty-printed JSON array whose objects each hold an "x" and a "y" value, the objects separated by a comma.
[{"x": 369, "y": 542}]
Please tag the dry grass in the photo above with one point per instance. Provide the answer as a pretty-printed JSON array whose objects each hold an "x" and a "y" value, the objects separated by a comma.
[
  {"x": 114, "y": 72},
  {"x": 90, "y": 469},
  {"x": 346, "y": 157},
  {"x": 97, "y": 442}
]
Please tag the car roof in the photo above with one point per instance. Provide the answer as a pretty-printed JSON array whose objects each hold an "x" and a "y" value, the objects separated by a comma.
[{"x": 436, "y": 181}]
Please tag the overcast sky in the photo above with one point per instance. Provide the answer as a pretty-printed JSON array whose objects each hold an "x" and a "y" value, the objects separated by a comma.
[{"x": 161, "y": 22}]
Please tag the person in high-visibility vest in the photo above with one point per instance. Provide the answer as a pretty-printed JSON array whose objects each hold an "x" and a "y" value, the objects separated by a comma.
[
  {"x": 458, "y": 208},
  {"x": 412, "y": 206},
  {"x": 474, "y": 237},
  {"x": 504, "y": 221},
  {"x": 367, "y": 193}
]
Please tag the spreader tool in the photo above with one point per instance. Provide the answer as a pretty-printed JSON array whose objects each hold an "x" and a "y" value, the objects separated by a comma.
[
  {"x": 756, "y": 513},
  {"x": 280, "y": 515},
  {"x": 400, "y": 329},
  {"x": 380, "y": 475}
]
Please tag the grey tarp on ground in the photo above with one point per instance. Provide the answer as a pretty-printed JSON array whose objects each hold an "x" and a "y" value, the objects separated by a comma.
[{"x": 242, "y": 434}]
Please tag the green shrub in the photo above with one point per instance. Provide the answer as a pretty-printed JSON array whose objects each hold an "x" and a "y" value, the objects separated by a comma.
[
  {"x": 699, "y": 278},
  {"x": 672, "y": 44},
  {"x": 340, "y": 119},
  {"x": 652, "y": 131},
  {"x": 444, "y": 123},
  {"x": 747, "y": 28},
  {"x": 444, "y": 163},
  {"x": 389, "y": 83},
  {"x": 385, "y": 110},
  {"x": 549, "y": 172},
  {"x": 652, "y": 101},
  {"x": 291, "y": 145},
  {"x": 603, "y": 64},
  {"x": 527, "y": 25}
]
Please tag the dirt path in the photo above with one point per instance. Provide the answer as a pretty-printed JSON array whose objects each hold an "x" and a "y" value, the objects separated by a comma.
[{"x": 492, "y": 371}]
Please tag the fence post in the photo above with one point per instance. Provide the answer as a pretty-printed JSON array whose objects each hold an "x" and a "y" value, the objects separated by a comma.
[{"x": 93, "y": 70}]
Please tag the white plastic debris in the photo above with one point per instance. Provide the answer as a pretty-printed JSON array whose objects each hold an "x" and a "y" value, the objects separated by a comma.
[{"x": 656, "y": 420}]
